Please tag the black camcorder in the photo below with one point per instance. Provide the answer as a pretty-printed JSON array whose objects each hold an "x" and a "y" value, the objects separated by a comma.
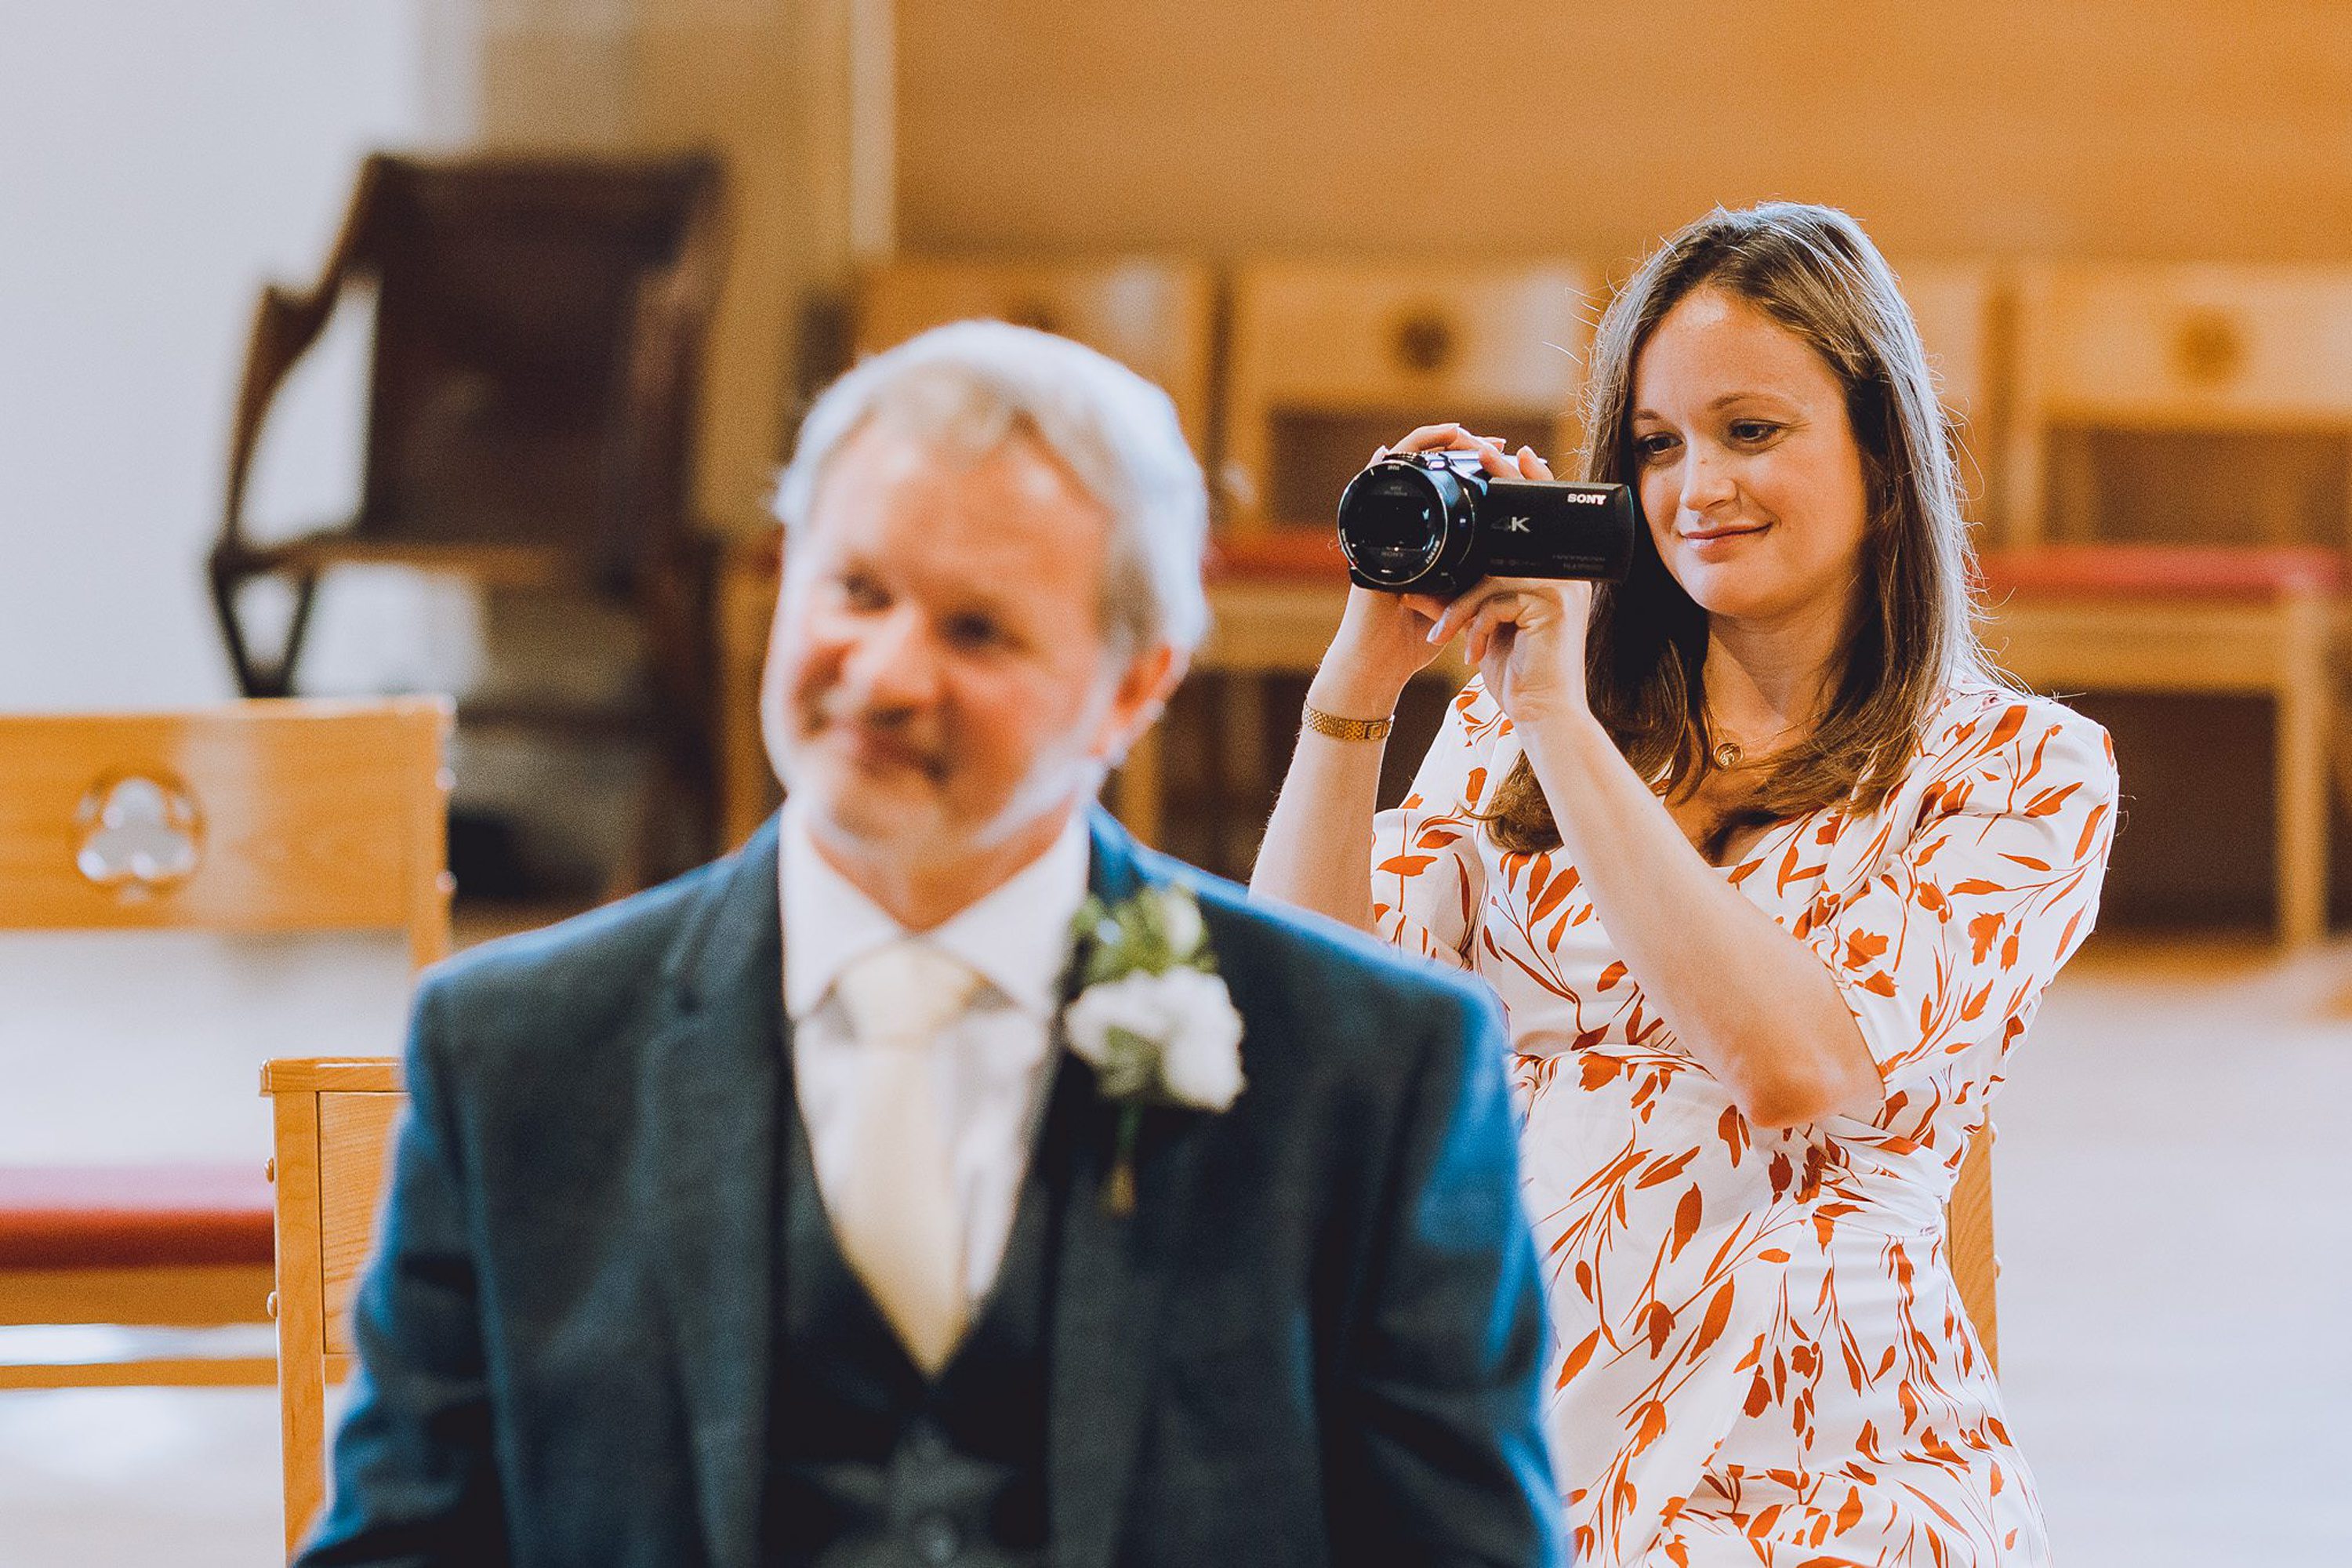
[{"x": 1435, "y": 522}]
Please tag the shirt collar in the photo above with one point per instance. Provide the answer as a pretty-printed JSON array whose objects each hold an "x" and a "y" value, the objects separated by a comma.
[{"x": 1017, "y": 938}]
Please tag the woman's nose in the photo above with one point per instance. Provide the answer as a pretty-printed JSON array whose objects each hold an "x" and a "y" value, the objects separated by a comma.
[{"x": 1706, "y": 482}]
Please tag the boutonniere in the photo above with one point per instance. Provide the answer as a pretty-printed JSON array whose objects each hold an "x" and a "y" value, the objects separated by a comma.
[{"x": 1152, "y": 1017}]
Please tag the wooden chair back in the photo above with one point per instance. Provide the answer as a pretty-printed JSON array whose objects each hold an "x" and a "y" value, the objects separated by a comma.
[
  {"x": 1958, "y": 307},
  {"x": 539, "y": 325},
  {"x": 1328, "y": 359},
  {"x": 1155, "y": 315},
  {"x": 514, "y": 300},
  {"x": 334, "y": 1121},
  {"x": 2171, "y": 351},
  {"x": 264, "y": 815}
]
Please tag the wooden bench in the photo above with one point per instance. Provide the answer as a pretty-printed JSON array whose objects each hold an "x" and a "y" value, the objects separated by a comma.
[{"x": 261, "y": 816}]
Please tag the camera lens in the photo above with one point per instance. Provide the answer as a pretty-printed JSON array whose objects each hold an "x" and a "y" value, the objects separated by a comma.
[
  {"x": 1392, "y": 523},
  {"x": 1435, "y": 524}
]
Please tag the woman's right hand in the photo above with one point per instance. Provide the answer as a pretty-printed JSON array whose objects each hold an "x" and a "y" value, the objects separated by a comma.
[
  {"x": 1382, "y": 643},
  {"x": 1383, "y": 639}
]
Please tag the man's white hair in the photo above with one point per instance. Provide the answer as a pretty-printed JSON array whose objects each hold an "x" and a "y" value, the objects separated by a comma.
[{"x": 971, "y": 387}]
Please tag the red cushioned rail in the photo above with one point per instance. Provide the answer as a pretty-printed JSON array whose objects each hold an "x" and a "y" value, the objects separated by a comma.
[
  {"x": 2184, "y": 571},
  {"x": 111, "y": 1216}
]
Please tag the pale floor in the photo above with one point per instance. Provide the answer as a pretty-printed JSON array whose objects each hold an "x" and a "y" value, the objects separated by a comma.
[{"x": 2174, "y": 1207}]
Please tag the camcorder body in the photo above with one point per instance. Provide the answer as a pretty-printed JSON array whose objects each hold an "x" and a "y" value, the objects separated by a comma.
[{"x": 1436, "y": 522}]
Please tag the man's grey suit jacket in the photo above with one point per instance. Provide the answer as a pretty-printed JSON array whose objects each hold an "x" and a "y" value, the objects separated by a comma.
[{"x": 1314, "y": 1339}]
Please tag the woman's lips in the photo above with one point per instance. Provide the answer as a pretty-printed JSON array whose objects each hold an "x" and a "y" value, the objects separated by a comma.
[{"x": 1703, "y": 536}]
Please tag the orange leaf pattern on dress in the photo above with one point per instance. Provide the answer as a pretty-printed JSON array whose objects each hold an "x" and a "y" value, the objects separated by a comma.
[{"x": 1768, "y": 1355}]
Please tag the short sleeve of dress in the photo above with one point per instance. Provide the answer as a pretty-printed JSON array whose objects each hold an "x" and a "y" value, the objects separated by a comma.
[
  {"x": 1945, "y": 948},
  {"x": 1427, "y": 879}
]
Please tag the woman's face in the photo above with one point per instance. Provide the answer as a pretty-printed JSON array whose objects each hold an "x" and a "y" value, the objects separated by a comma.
[{"x": 1750, "y": 478}]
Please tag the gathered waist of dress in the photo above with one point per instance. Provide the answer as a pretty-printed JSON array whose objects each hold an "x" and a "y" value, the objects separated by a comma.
[
  {"x": 1609, "y": 1039},
  {"x": 1847, "y": 1172},
  {"x": 1863, "y": 1190}
]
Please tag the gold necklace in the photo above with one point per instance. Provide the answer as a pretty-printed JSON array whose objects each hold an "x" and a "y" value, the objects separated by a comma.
[{"x": 1730, "y": 753}]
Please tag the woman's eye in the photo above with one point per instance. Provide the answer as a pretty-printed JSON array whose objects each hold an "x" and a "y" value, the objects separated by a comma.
[
  {"x": 1650, "y": 448},
  {"x": 1752, "y": 431},
  {"x": 863, "y": 595}
]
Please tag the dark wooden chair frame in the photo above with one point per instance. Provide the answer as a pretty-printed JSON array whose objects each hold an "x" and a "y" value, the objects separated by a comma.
[{"x": 639, "y": 547}]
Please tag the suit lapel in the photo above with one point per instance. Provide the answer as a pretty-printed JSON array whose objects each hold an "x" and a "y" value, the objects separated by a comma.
[
  {"x": 1112, "y": 1278},
  {"x": 717, "y": 1076}
]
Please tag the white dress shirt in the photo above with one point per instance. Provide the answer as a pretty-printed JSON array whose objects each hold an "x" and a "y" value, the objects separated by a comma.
[{"x": 993, "y": 1063}]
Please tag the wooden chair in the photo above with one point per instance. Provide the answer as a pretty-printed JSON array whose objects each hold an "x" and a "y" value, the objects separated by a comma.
[
  {"x": 1326, "y": 361},
  {"x": 1156, "y": 315},
  {"x": 1329, "y": 359},
  {"x": 746, "y": 615},
  {"x": 334, "y": 1120},
  {"x": 538, "y": 327},
  {"x": 1960, "y": 307},
  {"x": 2181, "y": 350},
  {"x": 266, "y": 816},
  {"x": 1968, "y": 1234}
]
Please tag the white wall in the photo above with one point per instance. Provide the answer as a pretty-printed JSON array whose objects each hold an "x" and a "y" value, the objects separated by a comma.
[{"x": 158, "y": 161}]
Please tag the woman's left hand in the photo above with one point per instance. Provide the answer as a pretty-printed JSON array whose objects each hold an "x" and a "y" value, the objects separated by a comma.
[{"x": 1525, "y": 635}]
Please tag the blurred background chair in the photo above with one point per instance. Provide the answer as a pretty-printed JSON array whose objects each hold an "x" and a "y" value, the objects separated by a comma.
[
  {"x": 538, "y": 341},
  {"x": 1328, "y": 359},
  {"x": 1969, "y": 1241},
  {"x": 1325, "y": 362},
  {"x": 334, "y": 1121},
  {"x": 263, "y": 817},
  {"x": 1156, "y": 315},
  {"x": 2178, "y": 493},
  {"x": 1960, "y": 310}
]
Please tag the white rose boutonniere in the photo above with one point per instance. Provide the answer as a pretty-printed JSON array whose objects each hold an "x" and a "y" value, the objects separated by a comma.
[{"x": 1153, "y": 1018}]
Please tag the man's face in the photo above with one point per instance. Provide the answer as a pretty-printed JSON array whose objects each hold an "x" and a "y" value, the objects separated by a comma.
[{"x": 939, "y": 686}]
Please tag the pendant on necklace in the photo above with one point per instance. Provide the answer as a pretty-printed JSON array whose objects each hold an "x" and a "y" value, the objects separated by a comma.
[{"x": 1726, "y": 754}]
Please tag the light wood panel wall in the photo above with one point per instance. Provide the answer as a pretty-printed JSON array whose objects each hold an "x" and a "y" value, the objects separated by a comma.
[
  {"x": 2161, "y": 129},
  {"x": 2114, "y": 129}
]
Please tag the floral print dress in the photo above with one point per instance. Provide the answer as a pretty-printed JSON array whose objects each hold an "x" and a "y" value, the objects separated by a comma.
[{"x": 1761, "y": 1355}]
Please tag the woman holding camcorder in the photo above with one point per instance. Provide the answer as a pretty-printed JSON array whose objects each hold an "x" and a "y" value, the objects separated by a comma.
[{"x": 1770, "y": 869}]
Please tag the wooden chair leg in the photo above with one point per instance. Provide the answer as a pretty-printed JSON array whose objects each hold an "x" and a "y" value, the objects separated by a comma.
[
  {"x": 1242, "y": 749},
  {"x": 2304, "y": 702},
  {"x": 1969, "y": 1232},
  {"x": 1137, "y": 788},
  {"x": 258, "y": 677},
  {"x": 747, "y": 604},
  {"x": 299, "y": 1306}
]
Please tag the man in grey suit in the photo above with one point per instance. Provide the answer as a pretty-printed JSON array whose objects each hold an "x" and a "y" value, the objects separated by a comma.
[{"x": 945, "y": 1177}]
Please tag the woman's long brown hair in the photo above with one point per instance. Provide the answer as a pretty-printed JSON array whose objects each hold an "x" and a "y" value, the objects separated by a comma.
[{"x": 1811, "y": 269}]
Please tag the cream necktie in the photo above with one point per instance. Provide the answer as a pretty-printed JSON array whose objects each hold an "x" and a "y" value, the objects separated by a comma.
[{"x": 897, "y": 1219}]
